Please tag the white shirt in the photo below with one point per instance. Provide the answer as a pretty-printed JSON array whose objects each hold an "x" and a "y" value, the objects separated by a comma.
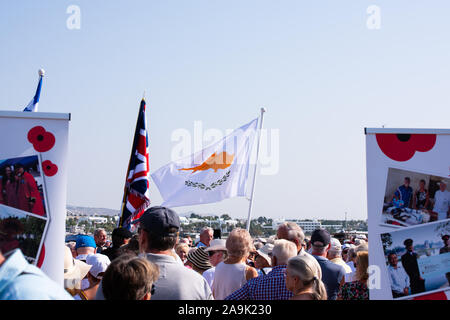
[
  {"x": 441, "y": 204},
  {"x": 227, "y": 279},
  {"x": 209, "y": 276},
  {"x": 399, "y": 278}
]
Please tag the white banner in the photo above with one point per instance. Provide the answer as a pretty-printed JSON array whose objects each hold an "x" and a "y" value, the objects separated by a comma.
[
  {"x": 33, "y": 173},
  {"x": 408, "y": 198}
]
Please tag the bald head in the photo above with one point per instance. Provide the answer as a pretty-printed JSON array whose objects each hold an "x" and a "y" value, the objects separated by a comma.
[{"x": 292, "y": 232}]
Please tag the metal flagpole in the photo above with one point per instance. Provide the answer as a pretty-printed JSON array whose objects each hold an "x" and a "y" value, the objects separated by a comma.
[{"x": 256, "y": 167}]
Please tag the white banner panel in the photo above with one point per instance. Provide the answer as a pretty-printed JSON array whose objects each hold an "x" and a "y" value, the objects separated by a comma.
[
  {"x": 33, "y": 185},
  {"x": 408, "y": 198}
]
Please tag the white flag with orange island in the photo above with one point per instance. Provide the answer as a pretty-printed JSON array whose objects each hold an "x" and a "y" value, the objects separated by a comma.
[{"x": 217, "y": 172}]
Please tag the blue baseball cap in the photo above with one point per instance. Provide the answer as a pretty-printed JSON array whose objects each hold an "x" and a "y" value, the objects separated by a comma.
[{"x": 85, "y": 241}]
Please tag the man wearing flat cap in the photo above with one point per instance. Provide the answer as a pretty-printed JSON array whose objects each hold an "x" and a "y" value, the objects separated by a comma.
[
  {"x": 409, "y": 263},
  {"x": 445, "y": 248}
]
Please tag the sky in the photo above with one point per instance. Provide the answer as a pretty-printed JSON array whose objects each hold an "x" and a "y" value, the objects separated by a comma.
[{"x": 322, "y": 74}]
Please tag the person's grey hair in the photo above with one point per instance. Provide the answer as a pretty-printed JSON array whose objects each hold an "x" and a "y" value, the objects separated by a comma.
[
  {"x": 209, "y": 229},
  {"x": 294, "y": 232},
  {"x": 97, "y": 232},
  {"x": 283, "y": 250}
]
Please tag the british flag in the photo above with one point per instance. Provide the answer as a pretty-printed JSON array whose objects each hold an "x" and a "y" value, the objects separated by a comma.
[{"x": 136, "y": 198}]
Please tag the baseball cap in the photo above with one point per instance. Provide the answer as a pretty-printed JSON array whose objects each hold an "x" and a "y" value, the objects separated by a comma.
[
  {"x": 217, "y": 245},
  {"x": 442, "y": 182},
  {"x": 320, "y": 238},
  {"x": 159, "y": 220},
  {"x": 445, "y": 237},
  {"x": 99, "y": 263},
  {"x": 85, "y": 241},
  {"x": 335, "y": 244}
]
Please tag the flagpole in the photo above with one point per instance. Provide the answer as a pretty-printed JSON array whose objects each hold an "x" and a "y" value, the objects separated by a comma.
[
  {"x": 124, "y": 199},
  {"x": 263, "y": 110}
]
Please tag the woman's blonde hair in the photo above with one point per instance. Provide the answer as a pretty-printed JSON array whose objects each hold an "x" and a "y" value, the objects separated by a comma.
[
  {"x": 182, "y": 246},
  {"x": 239, "y": 243},
  {"x": 362, "y": 263},
  {"x": 307, "y": 271}
]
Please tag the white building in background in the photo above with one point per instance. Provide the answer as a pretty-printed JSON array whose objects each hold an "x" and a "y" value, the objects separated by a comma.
[
  {"x": 184, "y": 220},
  {"x": 95, "y": 219},
  {"x": 309, "y": 226}
]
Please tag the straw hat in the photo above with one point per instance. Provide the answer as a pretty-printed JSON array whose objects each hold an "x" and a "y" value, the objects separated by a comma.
[
  {"x": 199, "y": 258},
  {"x": 74, "y": 270}
]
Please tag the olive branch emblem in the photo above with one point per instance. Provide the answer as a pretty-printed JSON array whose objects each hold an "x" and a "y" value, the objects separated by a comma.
[{"x": 211, "y": 186}]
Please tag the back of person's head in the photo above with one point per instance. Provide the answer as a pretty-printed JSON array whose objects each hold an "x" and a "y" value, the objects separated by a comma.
[
  {"x": 308, "y": 274},
  {"x": 239, "y": 243},
  {"x": 131, "y": 247},
  {"x": 351, "y": 254},
  {"x": 362, "y": 247},
  {"x": 283, "y": 250},
  {"x": 292, "y": 232},
  {"x": 335, "y": 249},
  {"x": 160, "y": 225},
  {"x": 119, "y": 236},
  {"x": 362, "y": 263},
  {"x": 258, "y": 245},
  {"x": 129, "y": 277}
]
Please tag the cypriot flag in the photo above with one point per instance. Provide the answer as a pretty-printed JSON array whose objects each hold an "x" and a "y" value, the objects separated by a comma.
[{"x": 217, "y": 172}]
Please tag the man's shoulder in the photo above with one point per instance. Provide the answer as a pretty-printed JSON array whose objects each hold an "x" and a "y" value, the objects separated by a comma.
[{"x": 34, "y": 285}]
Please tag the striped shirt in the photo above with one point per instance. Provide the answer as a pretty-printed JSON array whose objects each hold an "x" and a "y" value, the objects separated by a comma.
[{"x": 271, "y": 286}]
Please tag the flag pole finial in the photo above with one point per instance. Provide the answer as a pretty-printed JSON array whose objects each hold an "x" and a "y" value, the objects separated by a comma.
[
  {"x": 41, "y": 72},
  {"x": 143, "y": 95}
]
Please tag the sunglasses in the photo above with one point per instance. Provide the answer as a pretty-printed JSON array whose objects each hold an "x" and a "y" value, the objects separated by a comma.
[
  {"x": 211, "y": 253},
  {"x": 152, "y": 291}
]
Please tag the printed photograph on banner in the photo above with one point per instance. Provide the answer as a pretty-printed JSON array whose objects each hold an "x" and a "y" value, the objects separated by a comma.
[
  {"x": 22, "y": 185},
  {"x": 19, "y": 229},
  {"x": 418, "y": 259},
  {"x": 413, "y": 198}
]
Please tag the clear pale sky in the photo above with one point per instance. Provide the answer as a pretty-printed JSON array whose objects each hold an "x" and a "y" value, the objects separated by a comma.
[{"x": 320, "y": 72}]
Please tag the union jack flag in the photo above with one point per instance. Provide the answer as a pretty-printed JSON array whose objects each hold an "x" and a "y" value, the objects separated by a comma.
[{"x": 136, "y": 198}]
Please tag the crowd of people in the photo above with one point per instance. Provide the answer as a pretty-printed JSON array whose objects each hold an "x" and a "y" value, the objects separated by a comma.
[
  {"x": 155, "y": 263},
  {"x": 406, "y": 197}
]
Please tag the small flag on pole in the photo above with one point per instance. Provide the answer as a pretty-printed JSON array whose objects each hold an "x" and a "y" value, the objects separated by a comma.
[
  {"x": 217, "y": 172},
  {"x": 136, "y": 198},
  {"x": 33, "y": 105}
]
